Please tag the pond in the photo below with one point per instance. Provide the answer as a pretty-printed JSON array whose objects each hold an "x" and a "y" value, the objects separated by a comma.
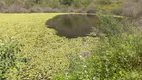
[{"x": 73, "y": 25}]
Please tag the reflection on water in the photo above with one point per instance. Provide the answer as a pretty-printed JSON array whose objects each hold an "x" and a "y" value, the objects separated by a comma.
[{"x": 72, "y": 25}]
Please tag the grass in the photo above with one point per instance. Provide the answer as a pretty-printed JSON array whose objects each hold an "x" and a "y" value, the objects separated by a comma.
[{"x": 47, "y": 51}]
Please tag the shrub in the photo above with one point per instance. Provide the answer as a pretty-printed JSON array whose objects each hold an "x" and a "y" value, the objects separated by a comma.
[
  {"x": 8, "y": 51},
  {"x": 36, "y": 9},
  {"x": 108, "y": 24},
  {"x": 117, "y": 54},
  {"x": 66, "y": 2},
  {"x": 9, "y": 2},
  {"x": 11, "y": 62},
  {"x": 130, "y": 9},
  {"x": 16, "y": 8},
  {"x": 91, "y": 9},
  {"x": 104, "y": 2},
  {"x": 114, "y": 58},
  {"x": 2, "y": 3},
  {"x": 48, "y": 9}
]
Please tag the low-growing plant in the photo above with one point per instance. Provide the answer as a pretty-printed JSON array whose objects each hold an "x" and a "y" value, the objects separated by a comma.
[{"x": 9, "y": 59}]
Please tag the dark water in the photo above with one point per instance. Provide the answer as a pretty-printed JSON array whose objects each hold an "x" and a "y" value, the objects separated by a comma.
[{"x": 72, "y": 25}]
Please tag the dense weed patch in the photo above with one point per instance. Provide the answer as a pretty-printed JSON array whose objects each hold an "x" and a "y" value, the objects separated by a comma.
[
  {"x": 10, "y": 59},
  {"x": 45, "y": 53},
  {"x": 108, "y": 25},
  {"x": 117, "y": 55}
]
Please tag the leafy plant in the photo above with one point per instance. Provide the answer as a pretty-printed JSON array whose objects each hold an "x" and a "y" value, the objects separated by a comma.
[
  {"x": 66, "y": 2},
  {"x": 108, "y": 24},
  {"x": 104, "y": 2},
  {"x": 118, "y": 54},
  {"x": 8, "y": 51},
  {"x": 114, "y": 58}
]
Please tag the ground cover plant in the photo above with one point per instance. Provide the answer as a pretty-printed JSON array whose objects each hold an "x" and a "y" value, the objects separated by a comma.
[
  {"x": 45, "y": 51},
  {"x": 7, "y": 57},
  {"x": 29, "y": 50},
  {"x": 46, "y": 55}
]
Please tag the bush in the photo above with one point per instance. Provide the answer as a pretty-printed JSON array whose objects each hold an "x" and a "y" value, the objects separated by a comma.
[
  {"x": 91, "y": 9},
  {"x": 114, "y": 58},
  {"x": 35, "y": 9},
  {"x": 66, "y": 2},
  {"x": 11, "y": 61},
  {"x": 9, "y": 2},
  {"x": 117, "y": 54},
  {"x": 130, "y": 9},
  {"x": 8, "y": 51},
  {"x": 2, "y": 3},
  {"x": 48, "y": 9},
  {"x": 14, "y": 8},
  {"x": 108, "y": 24},
  {"x": 104, "y": 2}
]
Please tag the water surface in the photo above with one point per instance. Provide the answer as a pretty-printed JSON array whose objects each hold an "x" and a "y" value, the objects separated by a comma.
[{"x": 72, "y": 25}]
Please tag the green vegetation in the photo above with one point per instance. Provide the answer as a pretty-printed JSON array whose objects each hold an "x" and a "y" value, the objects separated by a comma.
[
  {"x": 116, "y": 57},
  {"x": 108, "y": 25},
  {"x": 31, "y": 51},
  {"x": 16, "y": 6},
  {"x": 44, "y": 55},
  {"x": 10, "y": 59},
  {"x": 66, "y": 2},
  {"x": 7, "y": 57},
  {"x": 46, "y": 52}
]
